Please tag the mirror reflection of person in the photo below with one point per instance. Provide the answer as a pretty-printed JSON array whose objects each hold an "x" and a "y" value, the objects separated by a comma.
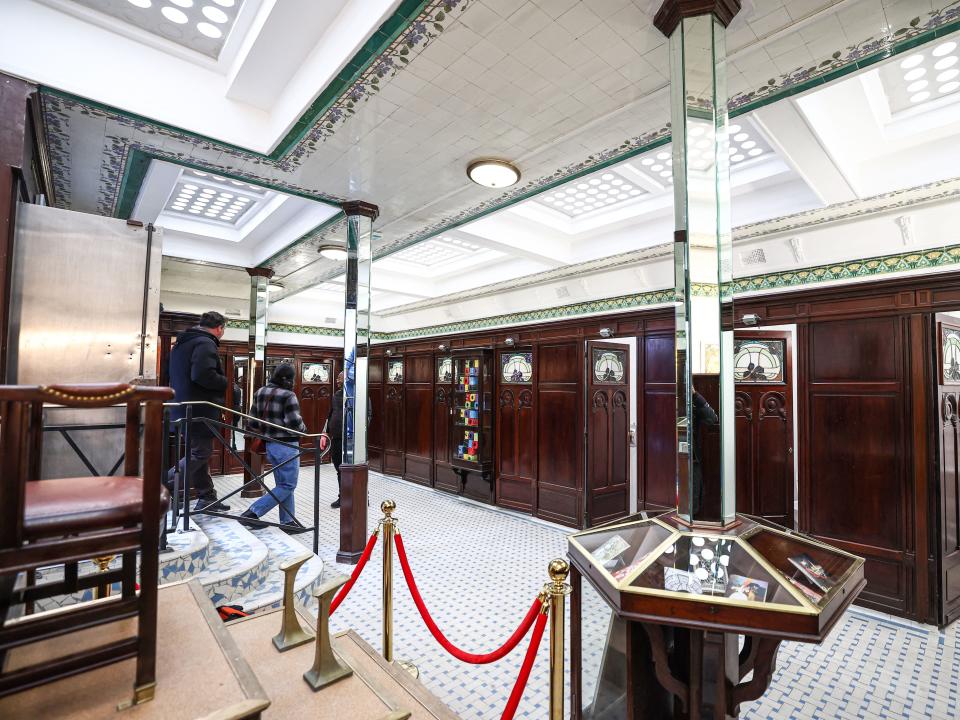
[
  {"x": 333, "y": 432},
  {"x": 703, "y": 415}
]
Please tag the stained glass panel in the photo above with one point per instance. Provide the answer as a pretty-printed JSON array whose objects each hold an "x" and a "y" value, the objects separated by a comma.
[
  {"x": 951, "y": 355},
  {"x": 608, "y": 365},
  {"x": 758, "y": 361},
  {"x": 444, "y": 370},
  {"x": 315, "y": 372},
  {"x": 516, "y": 368},
  {"x": 395, "y": 371}
]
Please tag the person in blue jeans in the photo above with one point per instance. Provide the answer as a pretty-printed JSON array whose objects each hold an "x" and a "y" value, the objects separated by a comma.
[{"x": 277, "y": 404}]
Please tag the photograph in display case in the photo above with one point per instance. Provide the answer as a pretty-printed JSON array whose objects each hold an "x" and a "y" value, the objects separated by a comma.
[
  {"x": 611, "y": 550},
  {"x": 808, "y": 591},
  {"x": 681, "y": 581},
  {"x": 813, "y": 572},
  {"x": 743, "y": 588}
]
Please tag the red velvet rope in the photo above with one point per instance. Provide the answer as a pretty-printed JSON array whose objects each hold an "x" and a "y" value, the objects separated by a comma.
[
  {"x": 524, "y": 675},
  {"x": 367, "y": 551},
  {"x": 472, "y": 658}
]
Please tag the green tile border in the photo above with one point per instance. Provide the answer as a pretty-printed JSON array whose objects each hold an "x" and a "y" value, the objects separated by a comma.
[{"x": 910, "y": 261}]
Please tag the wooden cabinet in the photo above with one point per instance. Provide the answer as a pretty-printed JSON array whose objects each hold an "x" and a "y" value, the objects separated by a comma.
[{"x": 471, "y": 423}]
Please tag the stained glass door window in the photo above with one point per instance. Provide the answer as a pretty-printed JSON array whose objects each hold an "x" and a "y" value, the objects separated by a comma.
[
  {"x": 758, "y": 361},
  {"x": 608, "y": 366},
  {"x": 950, "y": 358},
  {"x": 516, "y": 368}
]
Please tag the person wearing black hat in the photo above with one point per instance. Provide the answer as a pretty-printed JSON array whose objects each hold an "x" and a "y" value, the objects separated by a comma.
[{"x": 277, "y": 404}]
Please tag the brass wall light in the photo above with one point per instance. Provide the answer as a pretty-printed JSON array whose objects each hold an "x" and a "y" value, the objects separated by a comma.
[{"x": 509, "y": 342}]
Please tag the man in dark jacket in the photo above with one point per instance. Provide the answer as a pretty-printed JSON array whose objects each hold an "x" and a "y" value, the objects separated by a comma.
[
  {"x": 334, "y": 428},
  {"x": 196, "y": 373}
]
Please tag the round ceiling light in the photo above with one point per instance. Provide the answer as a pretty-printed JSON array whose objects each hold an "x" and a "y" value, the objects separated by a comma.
[
  {"x": 493, "y": 173},
  {"x": 274, "y": 287},
  {"x": 332, "y": 251}
]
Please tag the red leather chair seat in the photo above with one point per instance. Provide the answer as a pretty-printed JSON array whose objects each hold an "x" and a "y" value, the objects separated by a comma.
[{"x": 76, "y": 505}]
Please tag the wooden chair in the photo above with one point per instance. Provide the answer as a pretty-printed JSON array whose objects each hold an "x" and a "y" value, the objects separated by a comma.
[{"x": 52, "y": 522}]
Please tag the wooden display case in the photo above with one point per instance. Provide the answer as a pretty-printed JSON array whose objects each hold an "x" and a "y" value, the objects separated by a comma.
[{"x": 471, "y": 422}]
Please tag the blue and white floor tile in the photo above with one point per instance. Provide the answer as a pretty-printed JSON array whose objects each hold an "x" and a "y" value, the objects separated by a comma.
[{"x": 479, "y": 568}]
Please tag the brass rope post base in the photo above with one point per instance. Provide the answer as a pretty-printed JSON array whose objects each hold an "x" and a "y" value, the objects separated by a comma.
[
  {"x": 557, "y": 590},
  {"x": 102, "y": 563},
  {"x": 389, "y": 528},
  {"x": 291, "y": 633},
  {"x": 327, "y": 668},
  {"x": 141, "y": 694}
]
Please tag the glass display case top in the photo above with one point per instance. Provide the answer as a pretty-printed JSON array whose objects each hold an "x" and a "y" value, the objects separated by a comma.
[{"x": 758, "y": 565}]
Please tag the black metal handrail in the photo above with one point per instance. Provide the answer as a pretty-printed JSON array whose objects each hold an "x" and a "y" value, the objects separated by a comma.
[
  {"x": 65, "y": 431},
  {"x": 181, "y": 487}
]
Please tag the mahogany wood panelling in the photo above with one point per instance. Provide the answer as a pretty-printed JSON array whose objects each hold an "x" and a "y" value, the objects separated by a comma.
[
  {"x": 854, "y": 483},
  {"x": 418, "y": 411},
  {"x": 559, "y": 431}
]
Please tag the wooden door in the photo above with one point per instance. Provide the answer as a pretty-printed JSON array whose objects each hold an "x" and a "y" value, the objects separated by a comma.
[
  {"x": 948, "y": 426},
  {"x": 516, "y": 427},
  {"x": 315, "y": 376},
  {"x": 444, "y": 476},
  {"x": 763, "y": 402},
  {"x": 656, "y": 432},
  {"x": 375, "y": 432},
  {"x": 608, "y": 431},
  {"x": 393, "y": 417}
]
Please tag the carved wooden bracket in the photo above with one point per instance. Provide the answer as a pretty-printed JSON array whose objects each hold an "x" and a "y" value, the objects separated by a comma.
[{"x": 673, "y": 11}]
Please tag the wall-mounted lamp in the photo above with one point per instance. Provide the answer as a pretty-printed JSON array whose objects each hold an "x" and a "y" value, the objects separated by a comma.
[
  {"x": 606, "y": 332},
  {"x": 751, "y": 319},
  {"x": 388, "y": 352},
  {"x": 509, "y": 342},
  {"x": 441, "y": 347}
]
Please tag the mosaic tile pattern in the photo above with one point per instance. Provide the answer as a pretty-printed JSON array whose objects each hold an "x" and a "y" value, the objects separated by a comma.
[
  {"x": 478, "y": 569},
  {"x": 237, "y": 560},
  {"x": 269, "y": 594}
]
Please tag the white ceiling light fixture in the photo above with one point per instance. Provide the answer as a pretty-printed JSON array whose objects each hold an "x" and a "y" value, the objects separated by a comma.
[
  {"x": 274, "y": 286},
  {"x": 493, "y": 173},
  {"x": 141, "y": 3},
  {"x": 211, "y": 31},
  {"x": 333, "y": 251}
]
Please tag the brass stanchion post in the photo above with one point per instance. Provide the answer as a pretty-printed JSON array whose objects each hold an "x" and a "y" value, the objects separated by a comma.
[
  {"x": 103, "y": 563},
  {"x": 389, "y": 527},
  {"x": 557, "y": 590}
]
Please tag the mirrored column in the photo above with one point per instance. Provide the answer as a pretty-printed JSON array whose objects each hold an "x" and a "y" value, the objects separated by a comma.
[
  {"x": 702, "y": 256},
  {"x": 256, "y": 334}
]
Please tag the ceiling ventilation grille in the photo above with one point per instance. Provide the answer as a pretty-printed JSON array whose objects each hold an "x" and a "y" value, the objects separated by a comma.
[
  {"x": 562, "y": 292},
  {"x": 754, "y": 257},
  {"x": 330, "y": 321}
]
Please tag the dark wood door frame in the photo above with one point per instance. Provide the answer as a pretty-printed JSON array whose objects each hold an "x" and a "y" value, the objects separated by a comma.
[{"x": 607, "y": 449}]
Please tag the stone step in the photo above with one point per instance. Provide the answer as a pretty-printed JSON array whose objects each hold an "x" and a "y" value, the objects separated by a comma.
[
  {"x": 269, "y": 595},
  {"x": 236, "y": 561},
  {"x": 185, "y": 557}
]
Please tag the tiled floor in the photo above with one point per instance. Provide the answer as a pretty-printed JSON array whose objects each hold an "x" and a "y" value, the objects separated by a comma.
[{"x": 479, "y": 568}]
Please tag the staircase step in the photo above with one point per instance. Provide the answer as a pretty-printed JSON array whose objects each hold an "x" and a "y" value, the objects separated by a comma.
[
  {"x": 269, "y": 595},
  {"x": 236, "y": 560},
  {"x": 185, "y": 557}
]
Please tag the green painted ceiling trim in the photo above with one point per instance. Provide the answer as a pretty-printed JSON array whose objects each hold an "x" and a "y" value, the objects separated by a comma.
[
  {"x": 135, "y": 171},
  {"x": 389, "y": 31},
  {"x": 920, "y": 39},
  {"x": 833, "y": 272},
  {"x": 378, "y": 42},
  {"x": 861, "y": 64},
  {"x": 308, "y": 234}
]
